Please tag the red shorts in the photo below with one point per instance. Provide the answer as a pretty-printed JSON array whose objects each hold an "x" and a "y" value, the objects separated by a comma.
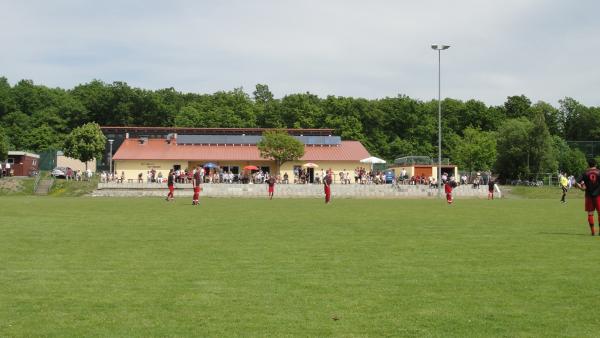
[
  {"x": 592, "y": 203},
  {"x": 271, "y": 189},
  {"x": 171, "y": 189},
  {"x": 196, "y": 190}
]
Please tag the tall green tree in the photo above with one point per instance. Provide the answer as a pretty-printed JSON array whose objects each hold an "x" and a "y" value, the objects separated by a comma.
[
  {"x": 16, "y": 125},
  {"x": 542, "y": 158},
  {"x": 524, "y": 148},
  {"x": 513, "y": 149},
  {"x": 85, "y": 143},
  {"x": 3, "y": 145},
  {"x": 267, "y": 108},
  {"x": 517, "y": 106},
  {"x": 570, "y": 160},
  {"x": 552, "y": 117},
  {"x": 7, "y": 103},
  {"x": 280, "y": 146},
  {"x": 476, "y": 150},
  {"x": 42, "y": 138}
]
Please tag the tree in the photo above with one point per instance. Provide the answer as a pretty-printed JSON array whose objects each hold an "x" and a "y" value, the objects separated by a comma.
[
  {"x": 16, "y": 126},
  {"x": 475, "y": 151},
  {"x": 524, "y": 148},
  {"x": 280, "y": 146},
  {"x": 85, "y": 143},
  {"x": 552, "y": 117},
  {"x": 41, "y": 139},
  {"x": 3, "y": 145},
  {"x": 7, "y": 103},
  {"x": 517, "y": 106},
  {"x": 542, "y": 158},
  {"x": 570, "y": 160},
  {"x": 513, "y": 149}
]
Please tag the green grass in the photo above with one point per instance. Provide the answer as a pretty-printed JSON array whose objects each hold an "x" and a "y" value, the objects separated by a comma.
[
  {"x": 72, "y": 188},
  {"x": 544, "y": 192},
  {"x": 248, "y": 267},
  {"x": 16, "y": 186}
]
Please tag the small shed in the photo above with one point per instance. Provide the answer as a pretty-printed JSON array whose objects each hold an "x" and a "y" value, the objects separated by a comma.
[
  {"x": 422, "y": 166},
  {"x": 22, "y": 163}
]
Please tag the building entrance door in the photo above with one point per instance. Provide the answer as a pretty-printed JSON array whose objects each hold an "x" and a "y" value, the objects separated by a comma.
[{"x": 310, "y": 173}]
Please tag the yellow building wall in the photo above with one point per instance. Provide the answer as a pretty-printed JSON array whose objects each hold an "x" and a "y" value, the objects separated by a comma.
[
  {"x": 131, "y": 168},
  {"x": 75, "y": 164}
]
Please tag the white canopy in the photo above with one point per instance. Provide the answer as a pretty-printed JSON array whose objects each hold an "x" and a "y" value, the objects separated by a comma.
[{"x": 372, "y": 160}]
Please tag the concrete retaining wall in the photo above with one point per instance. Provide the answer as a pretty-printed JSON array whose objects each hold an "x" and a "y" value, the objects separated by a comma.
[{"x": 285, "y": 190}]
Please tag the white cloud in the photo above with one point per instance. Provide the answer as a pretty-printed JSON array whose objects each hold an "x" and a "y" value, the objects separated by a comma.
[{"x": 371, "y": 49}]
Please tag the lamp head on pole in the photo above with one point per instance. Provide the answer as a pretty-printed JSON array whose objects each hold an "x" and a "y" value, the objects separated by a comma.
[
  {"x": 111, "y": 141},
  {"x": 439, "y": 47}
]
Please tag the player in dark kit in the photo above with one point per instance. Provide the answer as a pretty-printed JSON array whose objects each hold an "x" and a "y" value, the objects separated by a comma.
[
  {"x": 491, "y": 183},
  {"x": 171, "y": 185},
  {"x": 196, "y": 181},
  {"x": 590, "y": 182},
  {"x": 327, "y": 186},
  {"x": 271, "y": 183}
]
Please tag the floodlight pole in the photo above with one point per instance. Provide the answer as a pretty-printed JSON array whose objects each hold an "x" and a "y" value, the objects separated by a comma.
[
  {"x": 110, "y": 156},
  {"x": 439, "y": 48}
]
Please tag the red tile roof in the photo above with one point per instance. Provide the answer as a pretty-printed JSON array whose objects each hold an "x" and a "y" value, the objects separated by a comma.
[{"x": 159, "y": 149}]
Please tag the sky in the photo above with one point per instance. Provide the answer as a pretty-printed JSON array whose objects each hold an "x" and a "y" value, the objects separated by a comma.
[{"x": 544, "y": 49}]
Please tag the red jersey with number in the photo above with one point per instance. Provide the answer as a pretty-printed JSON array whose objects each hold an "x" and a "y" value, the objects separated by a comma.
[{"x": 591, "y": 179}]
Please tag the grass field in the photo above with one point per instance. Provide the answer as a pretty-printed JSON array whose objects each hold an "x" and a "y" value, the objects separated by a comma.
[{"x": 249, "y": 267}]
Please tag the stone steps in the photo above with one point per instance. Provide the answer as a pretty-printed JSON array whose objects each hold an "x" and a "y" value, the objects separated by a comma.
[{"x": 44, "y": 187}]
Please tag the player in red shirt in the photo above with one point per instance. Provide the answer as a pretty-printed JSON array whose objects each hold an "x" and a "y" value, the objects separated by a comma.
[
  {"x": 448, "y": 191},
  {"x": 271, "y": 183},
  {"x": 327, "y": 186},
  {"x": 171, "y": 185},
  {"x": 590, "y": 182},
  {"x": 196, "y": 182}
]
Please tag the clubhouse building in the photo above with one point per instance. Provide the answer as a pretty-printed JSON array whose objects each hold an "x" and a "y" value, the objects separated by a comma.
[{"x": 141, "y": 149}]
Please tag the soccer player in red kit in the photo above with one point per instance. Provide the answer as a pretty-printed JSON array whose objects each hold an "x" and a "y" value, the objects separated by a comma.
[
  {"x": 271, "y": 183},
  {"x": 590, "y": 182},
  {"x": 448, "y": 190},
  {"x": 327, "y": 186},
  {"x": 171, "y": 185},
  {"x": 196, "y": 181}
]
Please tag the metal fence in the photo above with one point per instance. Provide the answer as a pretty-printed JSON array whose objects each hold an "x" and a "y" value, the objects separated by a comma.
[
  {"x": 47, "y": 160},
  {"x": 589, "y": 148}
]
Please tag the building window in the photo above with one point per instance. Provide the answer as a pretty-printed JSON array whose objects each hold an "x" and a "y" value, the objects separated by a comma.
[
  {"x": 233, "y": 168},
  {"x": 10, "y": 161},
  {"x": 265, "y": 169}
]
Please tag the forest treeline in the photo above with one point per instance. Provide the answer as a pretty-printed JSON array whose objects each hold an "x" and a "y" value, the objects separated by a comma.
[{"x": 516, "y": 139}]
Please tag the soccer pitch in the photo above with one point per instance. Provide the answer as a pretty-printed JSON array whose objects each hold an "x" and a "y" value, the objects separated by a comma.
[{"x": 296, "y": 267}]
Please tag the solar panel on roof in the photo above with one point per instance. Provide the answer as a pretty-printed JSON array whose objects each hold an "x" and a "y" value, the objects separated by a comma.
[{"x": 252, "y": 139}]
